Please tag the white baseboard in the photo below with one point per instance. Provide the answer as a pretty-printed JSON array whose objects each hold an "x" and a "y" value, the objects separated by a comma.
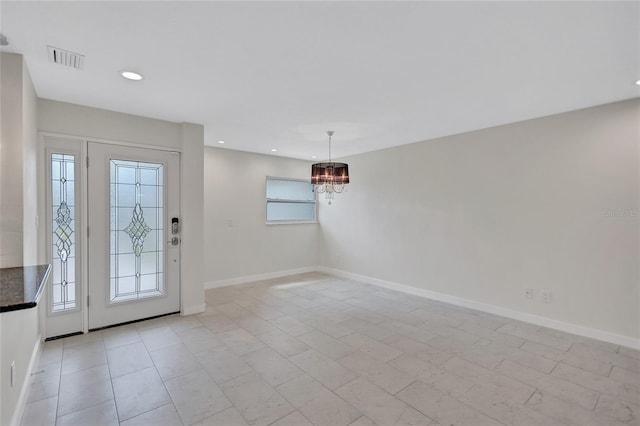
[
  {"x": 190, "y": 310},
  {"x": 259, "y": 277},
  {"x": 26, "y": 387},
  {"x": 592, "y": 333}
]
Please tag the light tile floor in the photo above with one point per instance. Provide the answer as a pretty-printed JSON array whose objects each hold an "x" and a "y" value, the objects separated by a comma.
[{"x": 313, "y": 349}]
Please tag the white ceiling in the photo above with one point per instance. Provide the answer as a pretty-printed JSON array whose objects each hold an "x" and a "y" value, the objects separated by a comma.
[{"x": 263, "y": 75}]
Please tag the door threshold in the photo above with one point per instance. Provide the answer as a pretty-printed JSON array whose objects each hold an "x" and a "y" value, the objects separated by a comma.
[
  {"x": 132, "y": 322},
  {"x": 62, "y": 336}
]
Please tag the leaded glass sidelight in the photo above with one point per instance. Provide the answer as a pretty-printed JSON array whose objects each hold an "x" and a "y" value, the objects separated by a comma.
[
  {"x": 136, "y": 230},
  {"x": 63, "y": 232}
]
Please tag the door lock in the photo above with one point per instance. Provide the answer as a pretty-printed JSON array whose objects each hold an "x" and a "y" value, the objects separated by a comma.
[{"x": 174, "y": 241}]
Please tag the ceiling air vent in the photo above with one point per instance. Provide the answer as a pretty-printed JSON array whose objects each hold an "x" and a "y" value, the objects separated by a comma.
[{"x": 66, "y": 58}]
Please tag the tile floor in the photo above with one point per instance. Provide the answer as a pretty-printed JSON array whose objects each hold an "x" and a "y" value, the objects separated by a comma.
[{"x": 316, "y": 350}]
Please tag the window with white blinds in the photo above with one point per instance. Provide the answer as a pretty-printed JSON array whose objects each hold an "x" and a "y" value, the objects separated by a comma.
[{"x": 290, "y": 200}]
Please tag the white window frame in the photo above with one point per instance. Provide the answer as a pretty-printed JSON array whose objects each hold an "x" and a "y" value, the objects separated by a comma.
[{"x": 281, "y": 200}]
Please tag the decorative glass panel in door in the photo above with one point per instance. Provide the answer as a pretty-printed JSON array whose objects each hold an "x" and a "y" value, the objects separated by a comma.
[
  {"x": 134, "y": 259},
  {"x": 63, "y": 281},
  {"x": 64, "y": 209},
  {"x": 137, "y": 230}
]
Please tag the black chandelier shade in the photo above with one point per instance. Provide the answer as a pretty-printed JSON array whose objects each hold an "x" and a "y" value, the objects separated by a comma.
[{"x": 331, "y": 173}]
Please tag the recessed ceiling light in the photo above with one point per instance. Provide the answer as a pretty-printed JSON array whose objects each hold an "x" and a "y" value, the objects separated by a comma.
[
  {"x": 274, "y": 150},
  {"x": 313, "y": 156},
  {"x": 130, "y": 75},
  {"x": 221, "y": 142},
  {"x": 638, "y": 82}
]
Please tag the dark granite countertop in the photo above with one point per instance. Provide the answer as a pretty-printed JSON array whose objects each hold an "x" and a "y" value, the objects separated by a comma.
[{"x": 21, "y": 288}]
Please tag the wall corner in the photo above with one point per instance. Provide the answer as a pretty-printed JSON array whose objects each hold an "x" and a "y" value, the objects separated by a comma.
[{"x": 192, "y": 212}]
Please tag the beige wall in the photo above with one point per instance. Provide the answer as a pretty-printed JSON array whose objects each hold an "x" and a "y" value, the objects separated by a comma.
[
  {"x": 30, "y": 172},
  {"x": 192, "y": 207},
  {"x": 551, "y": 203},
  {"x": 238, "y": 242},
  {"x": 77, "y": 120},
  {"x": 20, "y": 331},
  {"x": 11, "y": 152},
  {"x": 21, "y": 334}
]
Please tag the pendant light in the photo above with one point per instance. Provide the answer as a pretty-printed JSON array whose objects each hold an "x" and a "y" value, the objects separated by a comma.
[{"x": 329, "y": 177}]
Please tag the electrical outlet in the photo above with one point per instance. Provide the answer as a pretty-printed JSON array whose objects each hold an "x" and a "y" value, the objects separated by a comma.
[
  {"x": 546, "y": 296},
  {"x": 528, "y": 293}
]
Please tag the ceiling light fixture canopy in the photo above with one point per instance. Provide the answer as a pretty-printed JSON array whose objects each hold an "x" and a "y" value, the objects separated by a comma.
[{"x": 329, "y": 177}]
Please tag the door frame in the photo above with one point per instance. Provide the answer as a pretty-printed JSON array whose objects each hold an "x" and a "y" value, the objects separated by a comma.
[
  {"x": 83, "y": 142},
  {"x": 65, "y": 145},
  {"x": 104, "y": 311}
]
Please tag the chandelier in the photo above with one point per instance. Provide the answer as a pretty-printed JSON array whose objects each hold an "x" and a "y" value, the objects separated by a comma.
[{"x": 329, "y": 178}]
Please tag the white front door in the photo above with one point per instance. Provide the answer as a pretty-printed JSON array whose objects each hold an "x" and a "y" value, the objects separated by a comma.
[{"x": 133, "y": 252}]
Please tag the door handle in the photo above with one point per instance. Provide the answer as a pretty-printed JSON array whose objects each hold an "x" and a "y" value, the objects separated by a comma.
[{"x": 174, "y": 241}]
